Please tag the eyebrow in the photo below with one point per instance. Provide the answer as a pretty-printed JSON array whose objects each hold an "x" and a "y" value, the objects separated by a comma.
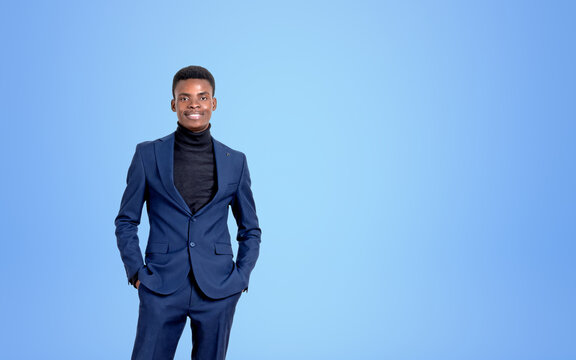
[{"x": 200, "y": 93}]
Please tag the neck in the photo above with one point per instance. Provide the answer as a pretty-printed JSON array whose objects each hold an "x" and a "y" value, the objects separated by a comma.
[{"x": 190, "y": 138}]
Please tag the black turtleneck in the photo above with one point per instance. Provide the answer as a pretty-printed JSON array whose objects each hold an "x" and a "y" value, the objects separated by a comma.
[{"x": 194, "y": 169}]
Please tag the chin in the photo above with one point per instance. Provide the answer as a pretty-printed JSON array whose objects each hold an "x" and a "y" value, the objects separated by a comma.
[{"x": 194, "y": 126}]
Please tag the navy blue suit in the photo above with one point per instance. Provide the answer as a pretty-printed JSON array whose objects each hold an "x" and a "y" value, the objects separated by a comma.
[{"x": 181, "y": 243}]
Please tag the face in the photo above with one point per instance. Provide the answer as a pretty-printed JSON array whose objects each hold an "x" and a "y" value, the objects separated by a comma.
[{"x": 193, "y": 103}]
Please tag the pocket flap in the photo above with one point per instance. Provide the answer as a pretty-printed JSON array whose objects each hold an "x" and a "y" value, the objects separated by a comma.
[
  {"x": 223, "y": 249},
  {"x": 156, "y": 248}
]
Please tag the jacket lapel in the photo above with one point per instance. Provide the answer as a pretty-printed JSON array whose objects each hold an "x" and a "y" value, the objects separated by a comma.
[
  {"x": 220, "y": 159},
  {"x": 165, "y": 161}
]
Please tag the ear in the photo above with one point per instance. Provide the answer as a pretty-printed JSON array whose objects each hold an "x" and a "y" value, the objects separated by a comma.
[
  {"x": 173, "y": 105},
  {"x": 214, "y": 104}
]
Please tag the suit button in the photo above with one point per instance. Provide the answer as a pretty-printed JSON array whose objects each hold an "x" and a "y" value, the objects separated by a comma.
[
  {"x": 192, "y": 244},
  {"x": 193, "y": 219}
]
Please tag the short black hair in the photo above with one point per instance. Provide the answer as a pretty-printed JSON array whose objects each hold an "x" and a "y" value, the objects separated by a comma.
[{"x": 193, "y": 72}]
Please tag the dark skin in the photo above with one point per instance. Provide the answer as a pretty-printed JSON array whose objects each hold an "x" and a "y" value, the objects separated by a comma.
[{"x": 193, "y": 105}]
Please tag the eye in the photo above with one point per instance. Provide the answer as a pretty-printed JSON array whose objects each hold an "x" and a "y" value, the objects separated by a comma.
[
  {"x": 203, "y": 98},
  {"x": 183, "y": 98}
]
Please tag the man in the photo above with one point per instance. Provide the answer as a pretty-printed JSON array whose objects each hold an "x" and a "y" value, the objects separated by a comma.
[{"x": 188, "y": 180}]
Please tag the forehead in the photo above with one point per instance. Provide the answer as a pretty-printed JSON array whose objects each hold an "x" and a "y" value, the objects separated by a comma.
[{"x": 193, "y": 86}]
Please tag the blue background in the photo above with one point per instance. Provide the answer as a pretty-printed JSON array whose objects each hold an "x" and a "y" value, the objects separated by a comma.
[{"x": 412, "y": 162}]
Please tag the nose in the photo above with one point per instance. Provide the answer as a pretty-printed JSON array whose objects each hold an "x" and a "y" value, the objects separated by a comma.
[{"x": 193, "y": 104}]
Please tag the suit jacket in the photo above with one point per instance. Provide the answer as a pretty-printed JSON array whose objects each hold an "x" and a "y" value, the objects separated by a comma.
[{"x": 180, "y": 241}]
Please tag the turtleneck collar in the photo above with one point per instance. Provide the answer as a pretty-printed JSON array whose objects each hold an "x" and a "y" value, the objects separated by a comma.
[{"x": 189, "y": 138}]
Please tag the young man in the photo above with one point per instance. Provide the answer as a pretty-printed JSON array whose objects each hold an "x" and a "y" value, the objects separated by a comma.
[{"x": 188, "y": 180}]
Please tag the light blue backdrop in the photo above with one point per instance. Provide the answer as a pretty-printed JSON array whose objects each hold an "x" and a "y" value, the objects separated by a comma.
[{"x": 412, "y": 162}]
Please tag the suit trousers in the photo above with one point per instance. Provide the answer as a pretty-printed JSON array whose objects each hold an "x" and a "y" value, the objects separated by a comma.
[{"x": 162, "y": 318}]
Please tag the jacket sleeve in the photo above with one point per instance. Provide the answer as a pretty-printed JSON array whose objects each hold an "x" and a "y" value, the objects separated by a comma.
[
  {"x": 128, "y": 218},
  {"x": 249, "y": 232}
]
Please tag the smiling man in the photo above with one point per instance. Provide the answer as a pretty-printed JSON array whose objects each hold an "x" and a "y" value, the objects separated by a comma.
[
  {"x": 188, "y": 181},
  {"x": 194, "y": 102}
]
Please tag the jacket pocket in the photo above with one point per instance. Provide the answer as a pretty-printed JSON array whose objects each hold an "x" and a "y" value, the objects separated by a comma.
[
  {"x": 157, "y": 248},
  {"x": 223, "y": 249}
]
